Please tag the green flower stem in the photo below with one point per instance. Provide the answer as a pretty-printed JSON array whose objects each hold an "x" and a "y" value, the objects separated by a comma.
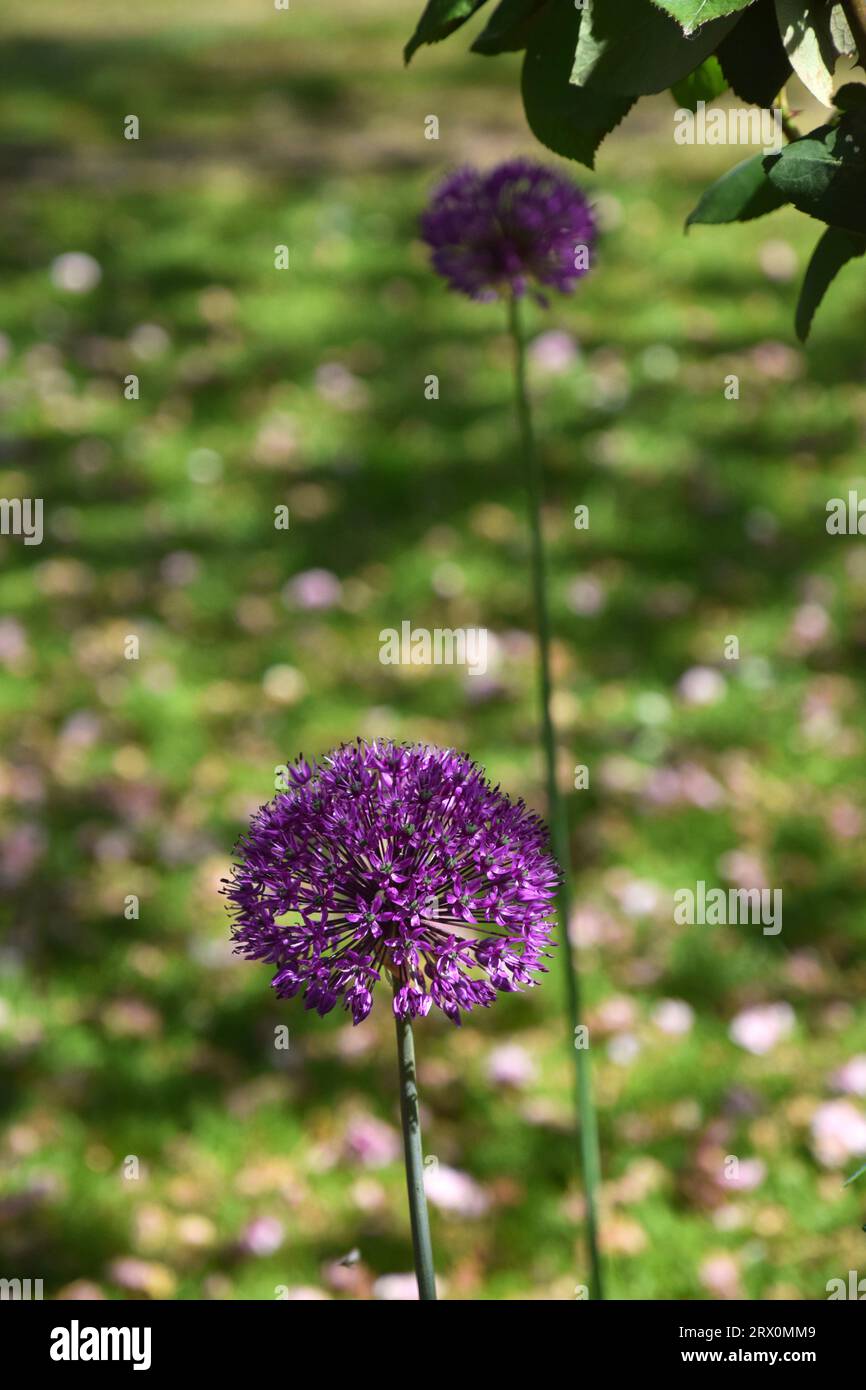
[
  {"x": 556, "y": 806},
  {"x": 414, "y": 1161}
]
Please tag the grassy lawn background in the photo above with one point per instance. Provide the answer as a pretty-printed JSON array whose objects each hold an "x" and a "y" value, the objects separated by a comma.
[{"x": 143, "y": 1038}]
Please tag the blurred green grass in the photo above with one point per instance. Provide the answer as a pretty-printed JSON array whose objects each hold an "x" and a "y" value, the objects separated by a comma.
[{"x": 306, "y": 388}]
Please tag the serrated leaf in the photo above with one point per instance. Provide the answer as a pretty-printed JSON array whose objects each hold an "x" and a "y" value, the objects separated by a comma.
[
  {"x": 704, "y": 84},
  {"x": 740, "y": 195},
  {"x": 824, "y": 173},
  {"x": 809, "y": 39},
  {"x": 565, "y": 118},
  {"x": 439, "y": 19},
  {"x": 509, "y": 27},
  {"x": 692, "y": 14},
  {"x": 834, "y": 250},
  {"x": 840, "y": 32},
  {"x": 632, "y": 48},
  {"x": 752, "y": 57}
]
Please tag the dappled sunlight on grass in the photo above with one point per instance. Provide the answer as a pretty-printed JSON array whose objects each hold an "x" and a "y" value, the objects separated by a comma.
[{"x": 135, "y": 1033}]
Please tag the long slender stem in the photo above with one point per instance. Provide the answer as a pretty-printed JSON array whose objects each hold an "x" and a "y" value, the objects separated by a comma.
[
  {"x": 414, "y": 1161},
  {"x": 589, "y": 1148},
  {"x": 789, "y": 129}
]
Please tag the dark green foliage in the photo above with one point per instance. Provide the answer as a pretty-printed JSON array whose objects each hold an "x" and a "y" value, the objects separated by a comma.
[
  {"x": 753, "y": 58},
  {"x": 741, "y": 194},
  {"x": 585, "y": 69},
  {"x": 568, "y": 119}
]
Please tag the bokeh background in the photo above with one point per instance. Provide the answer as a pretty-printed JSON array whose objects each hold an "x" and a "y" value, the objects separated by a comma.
[{"x": 139, "y": 1044}]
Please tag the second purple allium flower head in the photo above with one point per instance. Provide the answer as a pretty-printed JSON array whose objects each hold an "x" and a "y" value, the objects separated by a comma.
[
  {"x": 398, "y": 859},
  {"x": 502, "y": 231}
]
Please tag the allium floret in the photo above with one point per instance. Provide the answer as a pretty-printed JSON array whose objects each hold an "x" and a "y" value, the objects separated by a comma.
[
  {"x": 394, "y": 860},
  {"x": 502, "y": 232}
]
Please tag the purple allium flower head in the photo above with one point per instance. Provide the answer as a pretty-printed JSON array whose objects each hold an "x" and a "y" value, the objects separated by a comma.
[
  {"x": 499, "y": 232},
  {"x": 394, "y": 858}
]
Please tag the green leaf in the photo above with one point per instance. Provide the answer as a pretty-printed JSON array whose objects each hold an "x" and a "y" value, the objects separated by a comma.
[
  {"x": 440, "y": 18},
  {"x": 740, "y": 195},
  {"x": 509, "y": 27},
  {"x": 824, "y": 173},
  {"x": 752, "y": 57},
  {"x": 834, "y": 250},
  {"x": 840, "y": 31},
  {"x": 565, "y": 118},
  {"x": 704, "y": 84},
  {"x": 811, "y": 32},
  {"x": 692, "y": 14},
  {"x": 631, "y": 48}
]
